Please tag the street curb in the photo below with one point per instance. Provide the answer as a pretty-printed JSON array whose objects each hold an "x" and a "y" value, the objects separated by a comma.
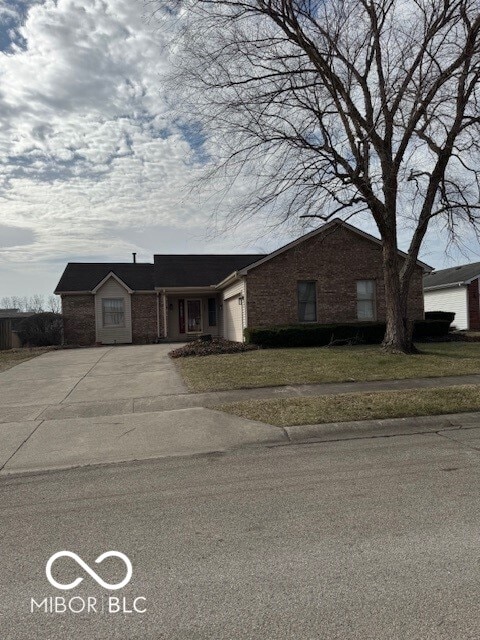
[{"x": 381, "y": 428}]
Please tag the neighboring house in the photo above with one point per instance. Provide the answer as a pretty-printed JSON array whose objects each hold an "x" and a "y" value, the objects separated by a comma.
[
  {"x": 9, "y": 322},
  {"x": 333, "y": 274},
  {"x": 455, "y": 289}
]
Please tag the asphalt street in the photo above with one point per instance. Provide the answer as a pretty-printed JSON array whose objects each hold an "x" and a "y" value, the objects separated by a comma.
[{"x": 371, "y": 539}]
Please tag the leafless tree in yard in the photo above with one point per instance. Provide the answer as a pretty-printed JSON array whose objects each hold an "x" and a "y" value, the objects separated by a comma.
[
  {"x": 35, "y": 303},
  {"x": 54, "y": 304},
  {"x": 333, "y": 107}
]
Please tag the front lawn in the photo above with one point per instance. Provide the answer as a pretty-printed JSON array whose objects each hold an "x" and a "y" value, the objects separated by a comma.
[
  {"x": 273, "y": 367},
  {"x": 358, "y": 406},
  {"x": 11, "y": 357}
]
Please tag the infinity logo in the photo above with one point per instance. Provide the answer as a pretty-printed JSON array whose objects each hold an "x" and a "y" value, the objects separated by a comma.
[{"x": 91, "y": 572}]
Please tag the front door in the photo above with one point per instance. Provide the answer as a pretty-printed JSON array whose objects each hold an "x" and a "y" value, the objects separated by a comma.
[{"x": 194, "y": 316}]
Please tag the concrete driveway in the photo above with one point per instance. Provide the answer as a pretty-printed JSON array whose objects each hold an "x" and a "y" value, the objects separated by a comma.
[{"x": 90, "y": 406}]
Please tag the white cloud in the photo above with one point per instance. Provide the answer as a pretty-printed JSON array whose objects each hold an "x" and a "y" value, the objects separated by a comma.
[
  {"x": 92, "y": 164},
  {"x": 88, "y": 148}
]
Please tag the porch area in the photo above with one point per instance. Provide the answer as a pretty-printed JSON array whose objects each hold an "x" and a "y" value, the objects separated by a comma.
[{"x": 189, "y": 314}]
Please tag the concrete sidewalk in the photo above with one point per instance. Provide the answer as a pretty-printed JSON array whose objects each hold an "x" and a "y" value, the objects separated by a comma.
[
  {"x": 185, "y": 400},
  {"x": 102, "y": 405}
]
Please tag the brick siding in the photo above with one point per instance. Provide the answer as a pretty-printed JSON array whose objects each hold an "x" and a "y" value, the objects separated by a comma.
[
  {"x": 144, "y": 318},
  {"x": 335, "y": 260},
  {"x": 79, "y": 319},
  {"x": 473, "y": 306}
]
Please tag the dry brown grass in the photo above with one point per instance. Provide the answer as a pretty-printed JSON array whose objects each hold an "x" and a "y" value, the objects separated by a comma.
[
  {"x": 346, "y": 407},
  {"x": 11, "y": 357}
]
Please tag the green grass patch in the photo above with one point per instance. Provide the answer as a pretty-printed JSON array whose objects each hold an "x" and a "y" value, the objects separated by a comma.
[
  {"x": 11, "y": 357},
  {"x": 273, "y": 367},
  {"x": 346, "y": 407}
]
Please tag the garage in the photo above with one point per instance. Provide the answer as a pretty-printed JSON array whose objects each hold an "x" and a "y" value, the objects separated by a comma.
[{"x": 233, "y": 309}]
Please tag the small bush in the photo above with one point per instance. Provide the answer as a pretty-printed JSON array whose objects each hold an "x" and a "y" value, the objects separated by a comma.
[
  {"x": 440, "y": 315},
  {"x": 41, "y": 330},
  {"x": 317, "y": 335},
  {"x": 425, "y": 329},
  {"x": 210, "y": 347}
]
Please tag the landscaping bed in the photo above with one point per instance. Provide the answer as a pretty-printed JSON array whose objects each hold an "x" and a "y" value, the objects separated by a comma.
[
  {"x": 274, "y": 367},
  {"x": 348, "y": 407},
  {"x": 212, "y": 346}
]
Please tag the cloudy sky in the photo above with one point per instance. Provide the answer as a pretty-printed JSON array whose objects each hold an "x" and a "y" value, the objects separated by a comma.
[{"x": 93, "y": 164}]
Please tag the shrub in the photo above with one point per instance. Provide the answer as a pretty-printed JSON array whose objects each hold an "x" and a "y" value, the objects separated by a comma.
[
  {"x": 41, "y": 330},
  {"x": 209, "y": 347},
  {"x": 315, "y": 334},
  {"x": 318, "y": 335},
  {"x": 440, "y": 315},
  {"x": 430, "y": 329}
]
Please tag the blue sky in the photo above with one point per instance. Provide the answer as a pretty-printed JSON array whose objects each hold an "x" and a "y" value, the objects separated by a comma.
[{"x": 93, "y": 163}]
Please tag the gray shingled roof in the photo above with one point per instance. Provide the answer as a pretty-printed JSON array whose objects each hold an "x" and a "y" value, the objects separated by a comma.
[
  {"x": 84, "y": 276},
  {"x": 198, "y": 270},
  {"x": 168, "y": 271},
  {"x": 452, "y": 276}
]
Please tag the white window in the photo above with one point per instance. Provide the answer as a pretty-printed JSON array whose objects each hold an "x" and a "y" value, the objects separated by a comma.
[
  {"x": 113, "y": 310},
  {"x": 307, "y": 301},
  {"x": 366, "y": 305}
]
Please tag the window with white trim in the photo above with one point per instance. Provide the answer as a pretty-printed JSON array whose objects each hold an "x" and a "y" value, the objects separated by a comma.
[
  {"x": 113, "y": 312},
  {"x": 366, "y": 300},
  {"x": 307, "y": 301}
]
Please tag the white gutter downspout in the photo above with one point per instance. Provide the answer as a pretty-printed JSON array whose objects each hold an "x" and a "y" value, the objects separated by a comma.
[{"x": 158, "y": 316}]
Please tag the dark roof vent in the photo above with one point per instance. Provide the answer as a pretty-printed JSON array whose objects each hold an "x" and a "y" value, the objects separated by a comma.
[{"x": 134, "y": 256}]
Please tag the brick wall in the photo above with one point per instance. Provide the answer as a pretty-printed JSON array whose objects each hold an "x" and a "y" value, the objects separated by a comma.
[
  {"x": 79, "y": 319},
  {"x": 144, "y": 318},
  {"x": 473, "y": 306},
  {"x": 335, "y": 260}
]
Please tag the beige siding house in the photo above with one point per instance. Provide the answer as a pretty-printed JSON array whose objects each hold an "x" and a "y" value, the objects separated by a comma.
[
  {"x": 234, "y": 310},
  {"x": 113, "y": 311},
  {"x": 331, "y": 275}
]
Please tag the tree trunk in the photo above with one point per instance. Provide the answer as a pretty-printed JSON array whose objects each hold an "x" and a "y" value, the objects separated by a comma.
[{"x": 398, "y": 335}]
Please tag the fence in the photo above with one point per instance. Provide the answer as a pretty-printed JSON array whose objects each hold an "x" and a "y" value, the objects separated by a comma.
[{"x": 5, "y": 334}]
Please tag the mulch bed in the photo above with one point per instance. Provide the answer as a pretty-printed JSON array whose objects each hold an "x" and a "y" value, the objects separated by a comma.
[{"x": 211, "y": 347}]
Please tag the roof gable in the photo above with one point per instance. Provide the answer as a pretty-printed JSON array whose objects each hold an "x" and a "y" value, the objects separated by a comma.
[
  {"x": 112, "y": 276},
  {"x": 337, "y": 222}
]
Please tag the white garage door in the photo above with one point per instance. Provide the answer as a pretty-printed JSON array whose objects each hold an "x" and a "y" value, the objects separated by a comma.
[{"x": 233, "y": 319}]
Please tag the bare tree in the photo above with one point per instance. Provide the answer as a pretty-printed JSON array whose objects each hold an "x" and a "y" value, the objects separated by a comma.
[
  {"x": 333, "y": 107},
  {"x": 6, "y": 303},
  {"x": 35, "y": 303},
  {"x": 15, "y": 302},
  {"x": 54, "y": 304}
]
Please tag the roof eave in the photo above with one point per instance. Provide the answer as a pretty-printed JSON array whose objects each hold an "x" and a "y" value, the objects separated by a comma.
[
  {"x": 61, "y": 292},
  {"x": 470, "y": 280},
  {"x": 229, "y": 279},
  {"x": 206, "y": 288},
  {"x": 449, "y": 285}
]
